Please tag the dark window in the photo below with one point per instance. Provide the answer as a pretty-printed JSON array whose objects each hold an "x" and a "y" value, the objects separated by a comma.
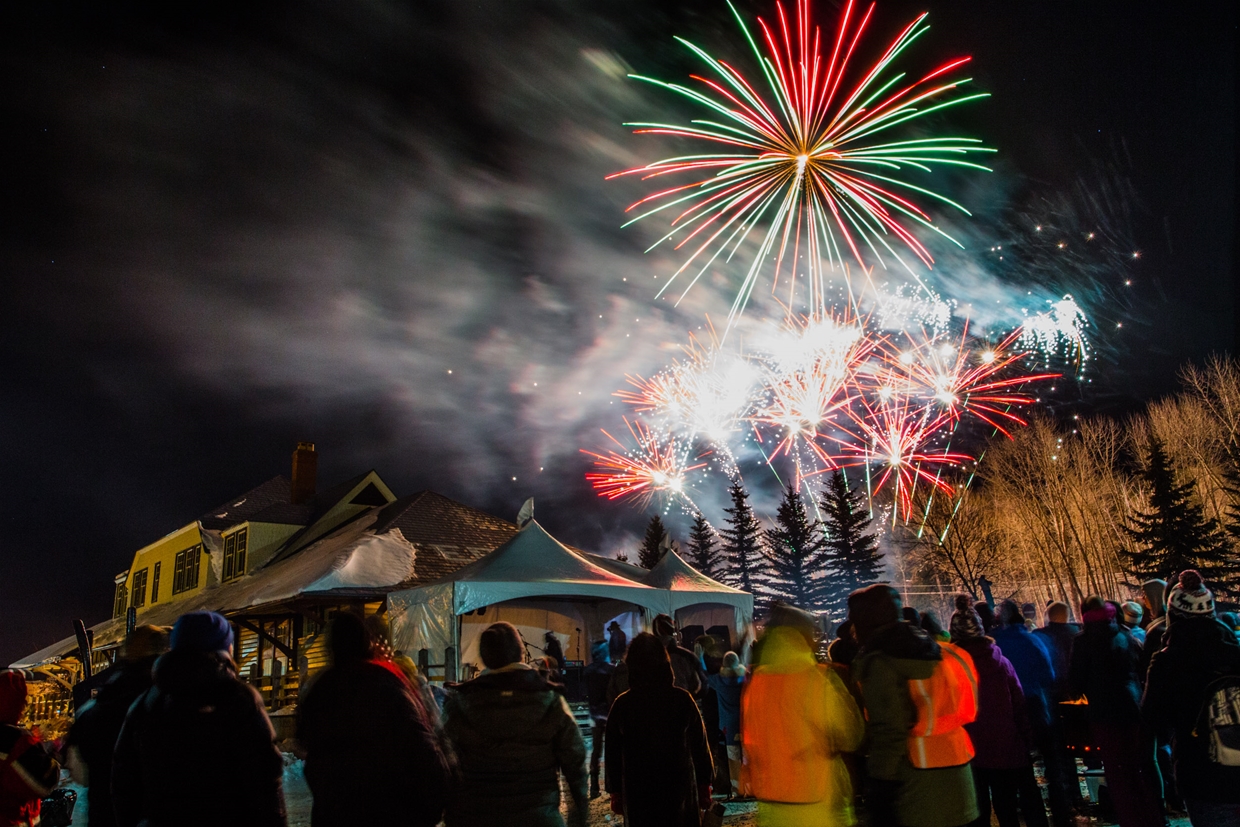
[
  {"x": 155, "y": 584},
  {"x": 234, "y": 554},
  {"x": 193, "y": 562},
  {"x": 139, "y": 589},
  {"x": 230, "y": 553},
  {"x": 122, "y": 600},
  {"x": 185, "y": 570},
  {"x": 370, "y": 495}
]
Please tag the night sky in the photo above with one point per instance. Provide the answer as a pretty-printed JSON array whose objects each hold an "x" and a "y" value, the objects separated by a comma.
[{"x": 231, "y": 228}]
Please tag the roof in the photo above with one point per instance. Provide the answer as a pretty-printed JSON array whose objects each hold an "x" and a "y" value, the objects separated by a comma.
[
  {"x": 274, "y": 492},
  {"x": 351, "y": 560},
  {"x": 674, "y": 574},
  {"x": 533, "y": 555},
  {"x": 447, "y": 534},
  {"x": 628, "y": 570}
]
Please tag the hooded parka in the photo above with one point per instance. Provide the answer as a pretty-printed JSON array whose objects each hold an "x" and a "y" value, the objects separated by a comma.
[{"x": 799, "y": 721}]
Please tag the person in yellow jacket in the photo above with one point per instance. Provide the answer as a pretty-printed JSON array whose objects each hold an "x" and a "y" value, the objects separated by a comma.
[{"x": 797, "y": 721}]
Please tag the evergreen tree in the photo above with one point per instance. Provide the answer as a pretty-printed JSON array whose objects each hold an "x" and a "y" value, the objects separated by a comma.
[
  {"x": 1175, "y": 534},
  {"x": 796, "y": 549},
  {"x": 852, "y": 553},
  {"x": 703, "y": 552},
  {"x": 650, "y": 553},
  {"x": 742, "y": 544}
]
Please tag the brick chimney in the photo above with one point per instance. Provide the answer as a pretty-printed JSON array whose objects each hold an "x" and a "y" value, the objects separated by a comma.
[{"x": 305, "y": 472}]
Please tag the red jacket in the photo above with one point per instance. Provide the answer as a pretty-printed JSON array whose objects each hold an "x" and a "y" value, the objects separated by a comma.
[{"x": 27, "y": 770}]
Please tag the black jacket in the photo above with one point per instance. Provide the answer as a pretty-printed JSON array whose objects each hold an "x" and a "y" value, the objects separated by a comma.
[
  {"x": 1197, "y": 651},
  {"x": 1060, "y": 637},
  {"x": 197, "y": 750},
  {"x": 1105, "y": 661},
  {"x": 598, "y": 678},
  {"x": 512, "y": 734},
  {"x": 371, "y": 755},
  {"x": 657, "y": 756},
  {"x": 96, "y": 728}
]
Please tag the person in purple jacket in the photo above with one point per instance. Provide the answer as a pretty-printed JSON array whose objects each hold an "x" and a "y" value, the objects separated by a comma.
[{"x": 1001, "y": 735}]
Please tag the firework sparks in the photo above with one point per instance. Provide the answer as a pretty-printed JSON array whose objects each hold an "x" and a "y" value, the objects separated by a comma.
[
  {"x": 652, "y": 465},
  {"x": 956, "y": 378},
  {"x": 813, "y": 162}
]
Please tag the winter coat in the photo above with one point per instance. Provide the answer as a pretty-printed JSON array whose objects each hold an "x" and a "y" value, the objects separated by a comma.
[
  {"x": 1154, "y": 633},
  {"x": 96, "y": 728},
  {"x": 799, "y": 721},
  {"x": 1001, "y": 735},
  {"x": 1030, "y": 656},
  {"x": 618, "y": 683},
  {"x": 1059, "y": 638},
  {"x": 656, "y": 756},
  {"x": 1198, "y": 651},
  {"x": 1104, "y": 670},
  {"x": 513, "y": 734},
  {"x": 687, "y": 669},
  {"x": 197, "y": 749},
  {"x": 728, "y": 689},
  {"x": 27, "y": 769},
  {"x": 366, "y": 735},
  {"x": 597, "y": 678},
  {"x": 942, "y": 797}
]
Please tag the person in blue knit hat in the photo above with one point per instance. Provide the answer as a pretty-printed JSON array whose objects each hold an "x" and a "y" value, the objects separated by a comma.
[{"x": 197, "y": 748}]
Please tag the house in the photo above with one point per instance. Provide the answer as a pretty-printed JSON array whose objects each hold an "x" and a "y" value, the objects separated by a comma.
[{"x": 278, "y": 561}]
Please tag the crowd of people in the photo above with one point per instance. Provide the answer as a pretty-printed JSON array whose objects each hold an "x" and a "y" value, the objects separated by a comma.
[{"x": 898, "y": 721}]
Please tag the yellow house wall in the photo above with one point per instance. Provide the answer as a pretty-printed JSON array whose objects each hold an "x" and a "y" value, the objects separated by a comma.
[{"x": 164, "y": 552}]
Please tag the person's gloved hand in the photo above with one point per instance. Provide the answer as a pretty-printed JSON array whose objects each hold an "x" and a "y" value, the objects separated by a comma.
[
  {"x": 704, "y": 801},
  {"x": 617, "y": 804}
]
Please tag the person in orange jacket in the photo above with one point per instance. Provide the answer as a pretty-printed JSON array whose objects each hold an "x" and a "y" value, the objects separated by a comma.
[{"x": 798, "y": 721}]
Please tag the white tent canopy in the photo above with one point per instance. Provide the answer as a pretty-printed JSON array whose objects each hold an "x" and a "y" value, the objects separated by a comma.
[{"x": 550, "y": 587}]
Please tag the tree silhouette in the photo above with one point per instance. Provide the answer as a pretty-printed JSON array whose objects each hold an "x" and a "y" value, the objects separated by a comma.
[
  {"x": 1175, "y": 534},
  {"x": 650, "y": 553},
  {"x": 703, "y": 552},
  {"x": 742, "y": 544},
  {"x": 852, "y": 552},
  {"x": 796, "y": 549}
]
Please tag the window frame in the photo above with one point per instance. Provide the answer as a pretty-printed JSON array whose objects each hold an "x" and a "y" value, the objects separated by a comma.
[{"x": 137, "y": 589}]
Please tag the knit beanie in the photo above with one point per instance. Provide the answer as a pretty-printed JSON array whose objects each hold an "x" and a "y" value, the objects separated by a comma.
[
  {"x": 965, "y": 622},
  {"x": 500, "y": 644},
  {"x": 1132, "y": 612},
  {"x": 202, "y": 632},
  {"x": 1190, "y": 596}
]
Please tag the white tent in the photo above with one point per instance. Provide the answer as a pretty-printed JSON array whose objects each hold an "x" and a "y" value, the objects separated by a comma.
[
  {"x": 695, "y": 599},
  {"x": 540, "y": 585}
]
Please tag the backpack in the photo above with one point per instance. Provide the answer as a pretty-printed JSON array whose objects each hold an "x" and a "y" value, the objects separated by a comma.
[
  {"x": 945, "y": 702},
  {"x": 1219, "y": 721}
]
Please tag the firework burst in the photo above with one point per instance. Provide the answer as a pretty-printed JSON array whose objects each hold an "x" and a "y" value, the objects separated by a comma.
[
  {"x": 813, "y": 160},
  {"x": 651, "y": 465}
]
